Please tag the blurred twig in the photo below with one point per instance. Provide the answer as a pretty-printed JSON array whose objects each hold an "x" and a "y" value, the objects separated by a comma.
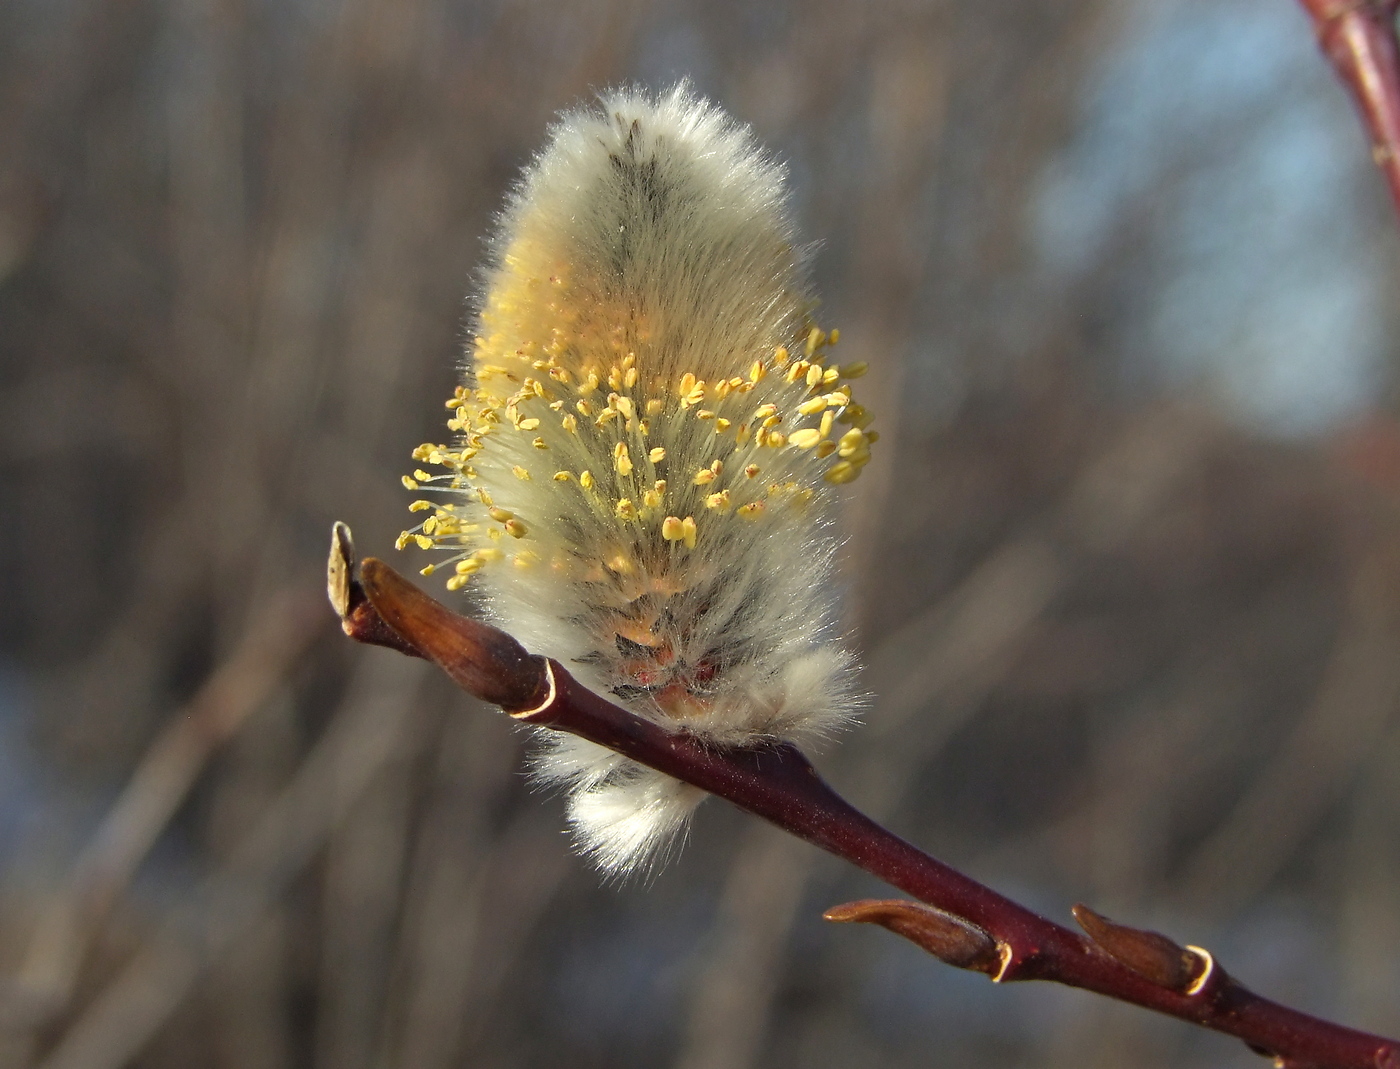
[
  {"x": 274, "y": 642},
  {"x": 1359, "y": 38},
  {"x": 370, "y": 731}
]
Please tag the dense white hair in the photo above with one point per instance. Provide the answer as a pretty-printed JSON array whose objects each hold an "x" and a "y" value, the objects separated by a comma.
[{"x": 649, "y": 439}]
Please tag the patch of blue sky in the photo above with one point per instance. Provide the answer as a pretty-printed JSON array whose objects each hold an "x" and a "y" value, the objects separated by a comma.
[{"x": 1216, "y": 127}]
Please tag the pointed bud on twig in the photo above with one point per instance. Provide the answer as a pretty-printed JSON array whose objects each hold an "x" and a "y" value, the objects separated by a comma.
[
  {"x": 1148, "y": 954},
  {"x": 480, "y": 659},
  {"x": 948, "y": 938},
  {"x": 358, "y": 618}
]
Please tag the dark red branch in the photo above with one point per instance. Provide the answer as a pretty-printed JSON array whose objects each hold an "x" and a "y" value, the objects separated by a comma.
[
  {"x": 970, "y": 925},
  {"x": 1358, "y": 36}
]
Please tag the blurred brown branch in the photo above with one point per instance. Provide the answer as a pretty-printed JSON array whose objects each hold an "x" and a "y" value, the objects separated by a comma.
[
  {"x": 1359, "y": 38},
  {"x": 969, "y": 925}
]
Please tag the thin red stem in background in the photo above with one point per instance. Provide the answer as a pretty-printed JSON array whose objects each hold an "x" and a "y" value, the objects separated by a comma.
[
  {"x": 1359, "y": 38},
  {"x": 969, "y": 925}
]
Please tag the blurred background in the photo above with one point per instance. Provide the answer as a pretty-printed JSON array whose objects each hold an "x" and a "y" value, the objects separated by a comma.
[{"x": 1125, "y": 572}]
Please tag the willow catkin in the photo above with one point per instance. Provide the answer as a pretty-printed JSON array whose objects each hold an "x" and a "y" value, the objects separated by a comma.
[{"x": 649, "y": 433}]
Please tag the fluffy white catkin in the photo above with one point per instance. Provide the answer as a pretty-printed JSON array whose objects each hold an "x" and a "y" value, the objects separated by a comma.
[{"x": 649, "y": 433}]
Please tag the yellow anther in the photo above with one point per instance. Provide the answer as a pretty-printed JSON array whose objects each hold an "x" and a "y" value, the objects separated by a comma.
[
  {"x": 626, "y": 510},
  {"x": 408, "y": 484},
  {"x": 470, "y": 565},
  {"x": 780, "y": 356},
  {"x": 814, "y": 339},
  {"x": 652, "y": 499},
  {"x": 516, "y": 529},
  {"x": 829, "y": 376},
  {"x": 584, "y": 409},
  {"x": 585, "y": 479},
  {"x": 589, "y": 384},
  {"x": 457, "y": 582},
  {"x": 718, "y": 502},
  {"x": 721, "y": 425},
  {"x": 825, "y": 449},
  {"x": 629, "y": 378},
  {"x": 562, "y": 476},
  {"x": 569, "y": 423},
  {"x": 856, "y": 416},
  {"x": 776, "y": 439},
  {"x": 654, "y": 406},
  {"x": 843, "y": 471},
  {"x": 624, "y": 405},
  {"x": 757, "y": 373},
  {"x": 704, "y": 477},
  {"x": 672, "y": 529},
  {"x": 813, "y": 406},
  {"x": 529, "y": 424},
  {"x": 687, "y": 384},
  {"x": 484, "y": 496},
  {"x": 420, "y": 506},
  {"x": 805, "y": 439},
  {"x": 814, "y": 376},
  {"x": 489, "y": 553},
  {"x": 751, "y": 511},
  {"x": 501, "y": 515},
  {"x": 520, "y": 473},
  {"x": 852, "y": 442},
  {"x": 752, "y": 470},
  {"x": 402, "y": 540},
  {"x": 621, "y": 459},
  {"x": 765, "y": 411},
  {"x": 424, "y": 542},
  {"x": 828, "y": 418},
  {"x": 657, "y": 455},
  {"x": 797, "y": 370},
  {"x": 705, "y": 413},
  {"x": 428, "y": 570},
  {"x": 689, "y": 531},
  {"x": 560, "y": 374},
  {"x": 834, "y": 336},
  {"x": 538, "y": 442}
]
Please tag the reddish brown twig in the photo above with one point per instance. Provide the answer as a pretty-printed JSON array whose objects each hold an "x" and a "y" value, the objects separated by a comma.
[
  {"x": 969, "y": 925},
  {"x": 1359, "y": 38}
]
